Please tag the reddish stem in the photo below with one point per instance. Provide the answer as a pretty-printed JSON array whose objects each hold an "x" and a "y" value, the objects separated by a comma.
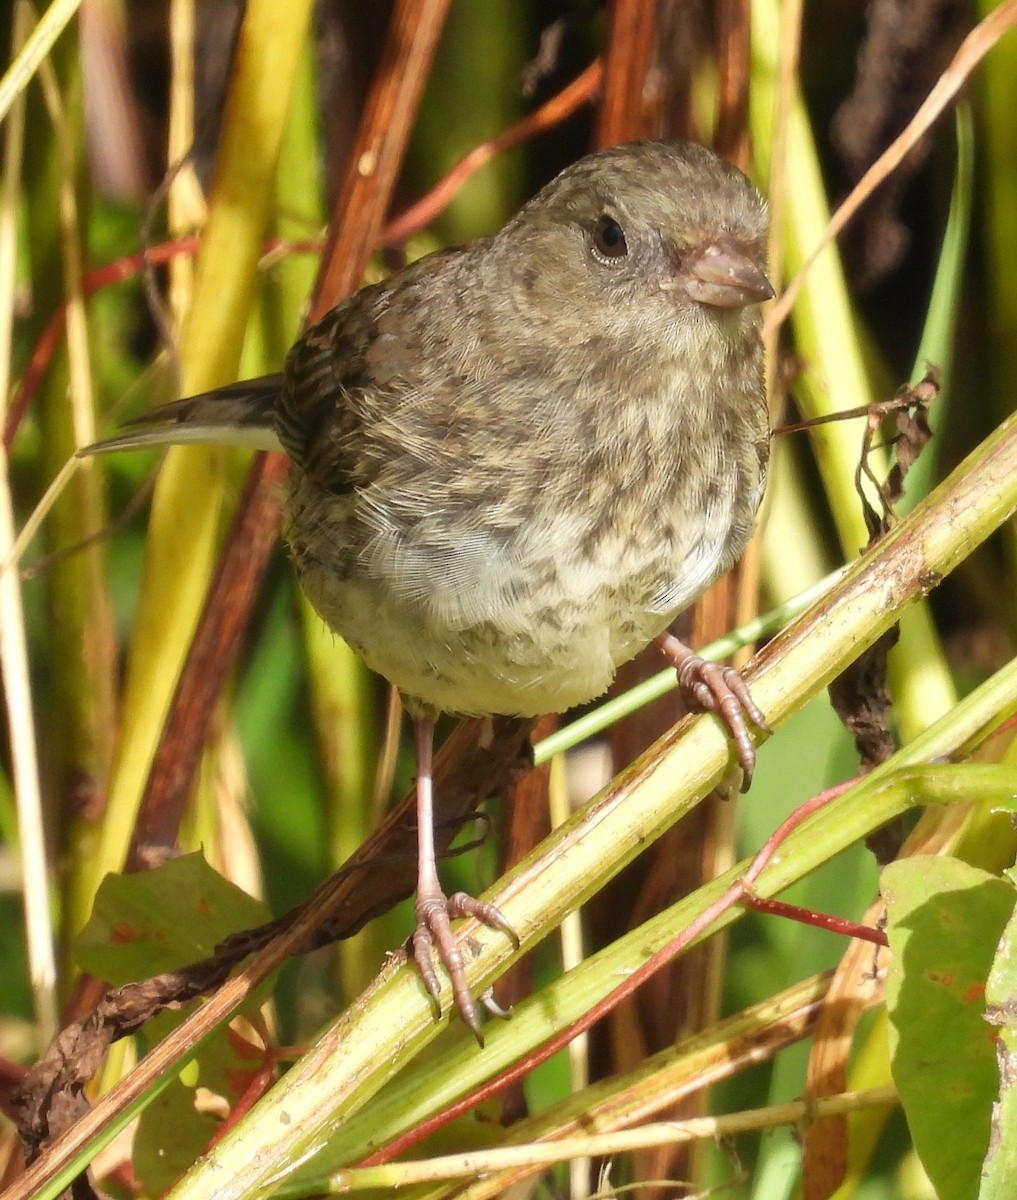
[
  {"x": 424, "y": 211},
  {"x": 818, "y": 920}
]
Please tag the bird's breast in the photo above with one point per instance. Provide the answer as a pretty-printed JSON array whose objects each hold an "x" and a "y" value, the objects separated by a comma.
[{"x": 520, "y": 584}]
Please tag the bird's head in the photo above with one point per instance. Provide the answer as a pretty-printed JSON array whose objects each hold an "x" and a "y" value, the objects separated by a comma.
[{"x": 645, "y": 241}]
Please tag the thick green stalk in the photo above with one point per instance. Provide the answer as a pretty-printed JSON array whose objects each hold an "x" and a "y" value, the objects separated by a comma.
[
  {"x": 190, "y": 491},
  {"x": 78, "y": 732}
]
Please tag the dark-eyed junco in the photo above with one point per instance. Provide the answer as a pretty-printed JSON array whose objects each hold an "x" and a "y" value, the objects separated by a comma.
[{"x": 514, "y": 463}]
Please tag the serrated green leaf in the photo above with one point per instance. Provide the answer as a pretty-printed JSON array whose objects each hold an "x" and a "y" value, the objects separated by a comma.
[{"x": 945, "y": 921}]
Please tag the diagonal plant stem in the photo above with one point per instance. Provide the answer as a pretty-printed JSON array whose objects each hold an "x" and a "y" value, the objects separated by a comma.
[
  {"x": 606, "y": 714},
  {"x": 392, "y": 1022},
  {"x": 692, "y": 1064},
  {"x": 37, "y": 45},
  {"x": 529, "y": 1160}
]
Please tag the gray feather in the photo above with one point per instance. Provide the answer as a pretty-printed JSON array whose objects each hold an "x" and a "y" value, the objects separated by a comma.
[{"x": 242, "y": 414}]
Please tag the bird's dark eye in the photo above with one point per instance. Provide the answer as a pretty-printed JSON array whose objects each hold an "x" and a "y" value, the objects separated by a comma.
[{"x": 609, "y": 238}]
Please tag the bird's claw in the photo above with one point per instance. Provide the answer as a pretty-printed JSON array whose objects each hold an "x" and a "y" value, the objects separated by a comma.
[
  {"x": 712, "y": 687},
  {"x": 434, "y": 930},
  {"x": 721, "y": 690}
]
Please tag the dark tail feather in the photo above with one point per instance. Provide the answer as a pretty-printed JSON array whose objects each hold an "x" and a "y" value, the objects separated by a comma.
[{"x": 242, "y": 414}]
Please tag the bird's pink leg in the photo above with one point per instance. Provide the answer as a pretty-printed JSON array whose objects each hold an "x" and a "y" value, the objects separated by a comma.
[
  {"x": 711, "y": 687},
  {"x": 435, "y": 910}
]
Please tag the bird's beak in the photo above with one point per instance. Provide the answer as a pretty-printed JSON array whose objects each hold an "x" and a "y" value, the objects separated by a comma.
[{"x": 723, "y": 274}]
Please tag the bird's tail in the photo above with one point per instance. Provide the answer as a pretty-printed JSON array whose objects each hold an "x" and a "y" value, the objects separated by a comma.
[{"x": 242, "y": 414}]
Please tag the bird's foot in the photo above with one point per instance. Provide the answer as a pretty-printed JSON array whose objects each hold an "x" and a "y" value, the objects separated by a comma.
[
  {"x": 435, "y": 913},
  {"x": 711, "y": 687}
]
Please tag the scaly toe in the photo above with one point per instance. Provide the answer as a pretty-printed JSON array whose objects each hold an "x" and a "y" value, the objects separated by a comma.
[
  {"x": 721, "y": 690},
  {"x": 434, "y": 932},
  {"x": 461, "y": 904}
]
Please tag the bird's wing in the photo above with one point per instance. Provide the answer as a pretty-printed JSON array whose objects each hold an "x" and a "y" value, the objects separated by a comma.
[
  {"x": 371, "y": 362},
  {"x": 317, "y": 416}
]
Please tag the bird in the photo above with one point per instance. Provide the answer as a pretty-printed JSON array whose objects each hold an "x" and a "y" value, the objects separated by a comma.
[{"x": 513, "y": 463}]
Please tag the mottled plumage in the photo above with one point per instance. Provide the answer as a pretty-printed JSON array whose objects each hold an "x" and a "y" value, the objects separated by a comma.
[{"x": 516, "y": 462}]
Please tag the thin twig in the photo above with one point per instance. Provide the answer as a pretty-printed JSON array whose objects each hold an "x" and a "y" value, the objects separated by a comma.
[{"x": 537, "y": 1155}]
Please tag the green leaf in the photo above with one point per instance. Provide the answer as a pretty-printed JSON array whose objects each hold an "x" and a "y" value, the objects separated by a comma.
[
  {"x": 1000, "y": 1168},
  {"x": 158, "y": 921},
  {"x": 945, "y": 921},
  {"x": 179, "y": 1124},
  {"x": 162, "y": 919},
  {"x": 170, "y": 1134}
]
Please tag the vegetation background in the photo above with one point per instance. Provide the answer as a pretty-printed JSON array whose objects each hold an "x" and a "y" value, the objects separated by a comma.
[{"x": 140, "y": 124}]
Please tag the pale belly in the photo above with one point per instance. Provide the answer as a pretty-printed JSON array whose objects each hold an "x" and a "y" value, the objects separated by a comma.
[
  {"x": 547, "y": 659},
  {"x": 467, "y": 628}
]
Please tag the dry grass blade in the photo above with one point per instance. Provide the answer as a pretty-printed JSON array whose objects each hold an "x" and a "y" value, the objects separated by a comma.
[
  {"x": 13, "y": 642},
  {"x": 37, "y": 45}
]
